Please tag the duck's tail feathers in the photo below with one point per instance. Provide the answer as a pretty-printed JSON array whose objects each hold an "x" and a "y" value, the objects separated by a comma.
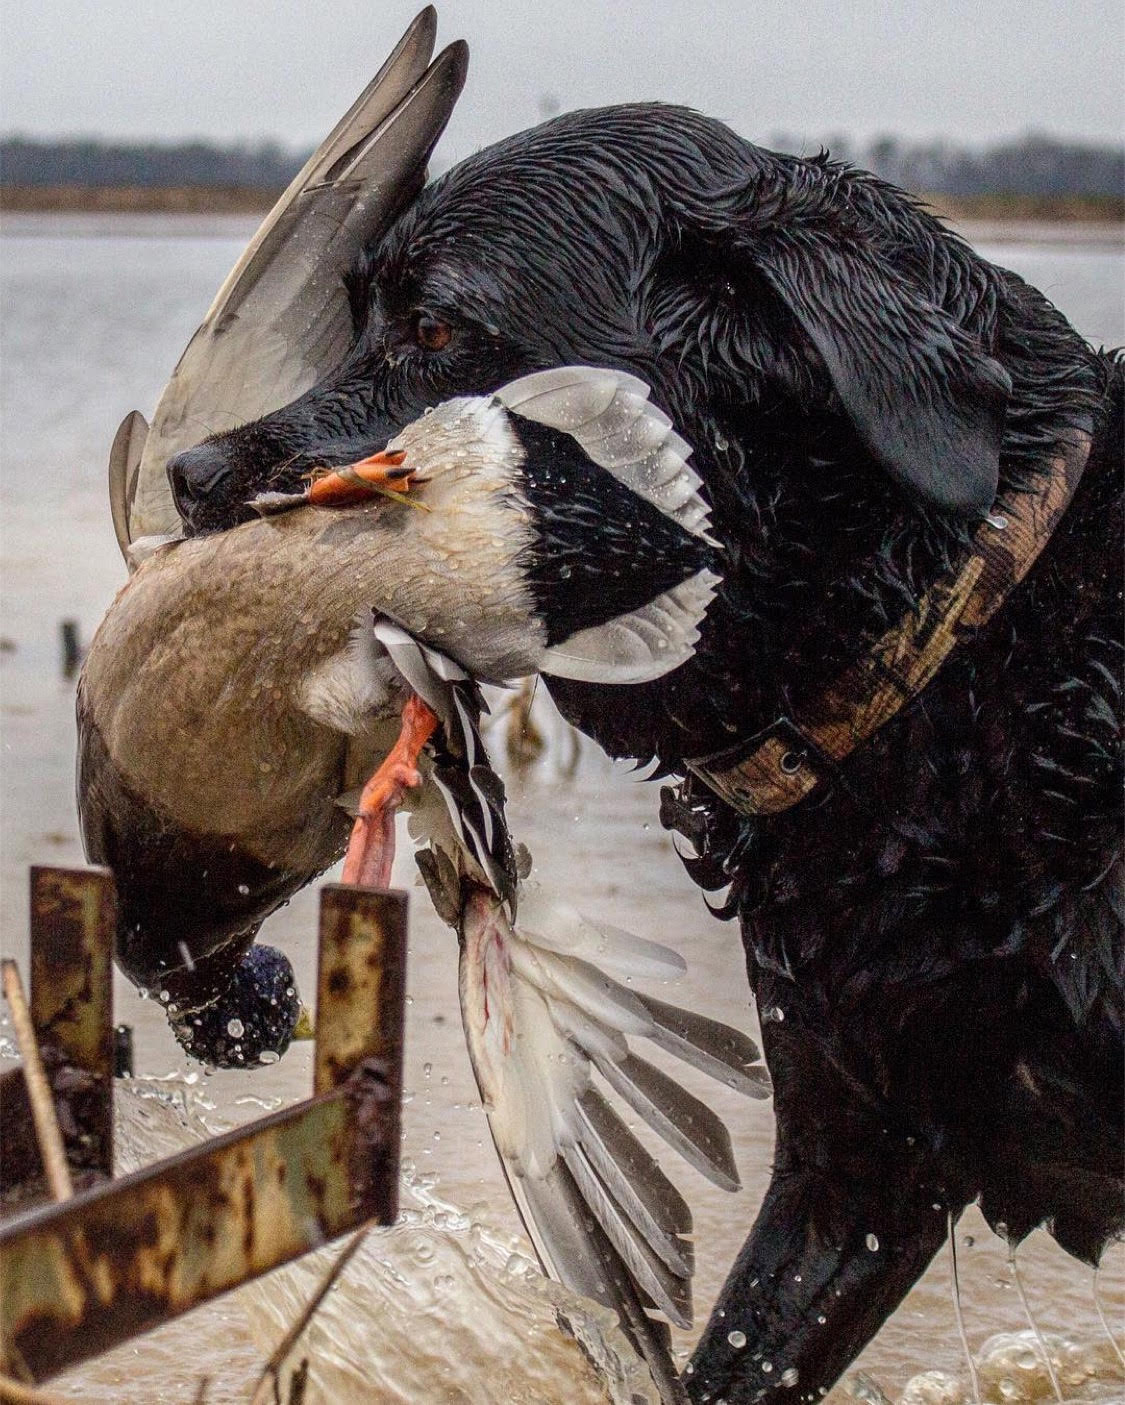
[
  {"x": 542, "y": 1020},
  {"x": 640, "y": 645}
]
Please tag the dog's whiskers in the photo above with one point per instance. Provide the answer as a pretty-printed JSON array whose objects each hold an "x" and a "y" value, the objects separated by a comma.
[
  {"x": 1105, "y": 1325},
  {"x": 1039, "y": 1338},
  {"x": 972, "y": 1365}
]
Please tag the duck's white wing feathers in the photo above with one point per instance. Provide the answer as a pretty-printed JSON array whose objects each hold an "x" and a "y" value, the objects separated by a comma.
[
  {"x": 610, "y": 415},
  {"x": 549, "y": 1008},
  {"x": 540, "y": 1020},
  {"x": 576, "y": 1250},
  {"x": 281, "y": 319},
  {"x": 641, "y": 645}
]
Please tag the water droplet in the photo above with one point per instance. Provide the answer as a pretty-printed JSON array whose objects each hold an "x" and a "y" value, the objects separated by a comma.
[
  {"x": 721, "y": 443},
  {"x": 822, "y": 1319},
  {"x": 236, "y": 1029},
  {"x": 872, "y": 1243},
  {"x": 164, "y": 997},
  {"x": 767, "y": 1367},
  {"x": 427, "y": 1069},
  {"x": 244, "y": 889},
  {"x": 269, "y": 1056},
  {"x": 737, "y": 1339},
  {"x": 789, "y": 1377}
]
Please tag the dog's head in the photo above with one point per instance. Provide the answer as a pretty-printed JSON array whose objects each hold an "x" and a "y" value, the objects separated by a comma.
[{"x": 750, "y": 289}]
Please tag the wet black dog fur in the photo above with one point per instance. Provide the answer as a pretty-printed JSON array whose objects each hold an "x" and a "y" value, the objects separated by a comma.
[{"x": 934, "y": 938}]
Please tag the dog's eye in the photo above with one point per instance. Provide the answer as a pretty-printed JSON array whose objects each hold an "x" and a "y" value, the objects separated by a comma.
[{"x": 431, "y": 333}]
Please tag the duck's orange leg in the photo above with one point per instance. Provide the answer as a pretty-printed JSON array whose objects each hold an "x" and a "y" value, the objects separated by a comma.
[
  {"x": 380, "y": 473},
  {"x": 371, "y": 849}
]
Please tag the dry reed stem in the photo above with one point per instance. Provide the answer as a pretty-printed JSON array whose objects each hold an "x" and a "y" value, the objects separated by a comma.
[
  {"x": 39, "y": 1094},
  {"x": 271, "y": 1371},
  {"x": 13, "y": 1393}
]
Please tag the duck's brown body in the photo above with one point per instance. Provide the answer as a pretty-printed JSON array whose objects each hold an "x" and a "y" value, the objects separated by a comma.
[{"x": 193, "y": 684}]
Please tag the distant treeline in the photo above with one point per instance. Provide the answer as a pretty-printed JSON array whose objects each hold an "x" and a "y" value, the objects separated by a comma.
[
  {"x": 1032, "y": 165},
  {"x": 266, "y": 166}
]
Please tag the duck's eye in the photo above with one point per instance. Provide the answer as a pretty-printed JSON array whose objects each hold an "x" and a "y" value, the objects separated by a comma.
[{"x": 431, "y": 333}]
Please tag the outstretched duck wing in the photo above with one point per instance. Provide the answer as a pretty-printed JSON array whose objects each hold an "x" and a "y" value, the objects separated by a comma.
[
  {"x": 282, "y": 318},
  {"x": 541, "y": 1020}
]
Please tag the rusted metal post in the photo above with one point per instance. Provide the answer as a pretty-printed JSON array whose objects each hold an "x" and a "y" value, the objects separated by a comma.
[
  {"x": 73, "y": 915},
  {"x": 78, "y": 1279},
  {"x": 361, "y": 1004},
  {"x": 361, "y": 980}
]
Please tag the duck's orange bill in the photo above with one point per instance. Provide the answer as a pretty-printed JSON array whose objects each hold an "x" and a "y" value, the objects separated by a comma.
[
  {"x": 342, "y": 486},
  {"x": 371, "y": 849}
]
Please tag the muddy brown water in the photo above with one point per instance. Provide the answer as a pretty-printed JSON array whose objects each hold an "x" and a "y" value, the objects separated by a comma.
[{"x": 447, "y": 1307}]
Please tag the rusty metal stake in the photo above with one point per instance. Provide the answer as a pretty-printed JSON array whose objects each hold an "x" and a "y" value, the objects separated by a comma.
[{"x": 73, "y": 918}]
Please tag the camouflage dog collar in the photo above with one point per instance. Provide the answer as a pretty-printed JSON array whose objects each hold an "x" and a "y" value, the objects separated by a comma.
[{"x": 780, "y": 766}]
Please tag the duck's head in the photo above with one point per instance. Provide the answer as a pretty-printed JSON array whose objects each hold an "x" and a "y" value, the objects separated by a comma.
[{"x": 253, "y": 1021}]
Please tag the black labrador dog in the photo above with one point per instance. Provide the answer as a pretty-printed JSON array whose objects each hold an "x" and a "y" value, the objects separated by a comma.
[{"x": 933, "y": 932}]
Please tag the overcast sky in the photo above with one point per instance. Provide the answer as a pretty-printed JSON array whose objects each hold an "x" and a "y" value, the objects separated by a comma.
[{"x": 973, "y": 70}]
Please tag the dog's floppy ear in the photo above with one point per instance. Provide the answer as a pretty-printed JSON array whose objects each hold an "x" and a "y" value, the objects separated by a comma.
[{"x": 924, "y": 396}]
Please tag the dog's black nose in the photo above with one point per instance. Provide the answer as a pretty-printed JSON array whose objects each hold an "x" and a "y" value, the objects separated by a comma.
[
  {"x": 196, "y": 475},
  {"x": 204, "y": 484}
]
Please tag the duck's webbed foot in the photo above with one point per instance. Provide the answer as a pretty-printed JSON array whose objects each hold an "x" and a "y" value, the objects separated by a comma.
[
  {"x": 371, "y": 849},
  {"x": 829, "y": 1258},
  {"x": 379, "y": 473}
]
